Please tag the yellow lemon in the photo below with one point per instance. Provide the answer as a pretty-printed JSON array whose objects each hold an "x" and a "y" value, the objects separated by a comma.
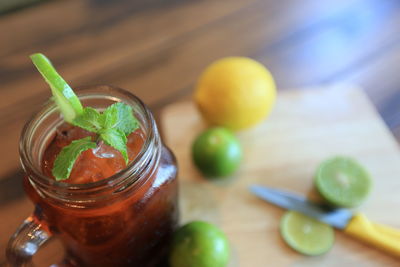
[{"x": 235, "y": 92}]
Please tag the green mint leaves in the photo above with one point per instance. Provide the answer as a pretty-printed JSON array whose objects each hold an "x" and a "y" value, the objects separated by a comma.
[
  {"x": 112, "y": 126},
  {"x": 117, "y": 116},
  {"x": 116, "y": 139},
  {"x": 90, "y": 120},
  {"x": 68, "y": 155},
  {"x": 120, "y": 116}
]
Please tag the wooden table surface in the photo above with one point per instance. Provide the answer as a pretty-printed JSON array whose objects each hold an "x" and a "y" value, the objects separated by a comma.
[
  {"x": 277, "y": 156},
  {"x": 157, "y": 49}
]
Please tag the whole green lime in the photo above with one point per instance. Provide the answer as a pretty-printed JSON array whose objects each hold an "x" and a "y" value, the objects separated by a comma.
[
  {"x": 217, "y": 152},
  {"x": 199, "y": 244}
]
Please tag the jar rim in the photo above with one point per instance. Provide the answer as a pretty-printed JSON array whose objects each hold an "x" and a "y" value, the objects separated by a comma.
[{"x": 104, "y": 91}]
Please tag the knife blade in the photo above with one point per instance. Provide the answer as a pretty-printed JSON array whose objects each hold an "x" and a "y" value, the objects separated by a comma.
[
  {"x": 357, "y": 225},
  {"x": 338, "y": 218}
]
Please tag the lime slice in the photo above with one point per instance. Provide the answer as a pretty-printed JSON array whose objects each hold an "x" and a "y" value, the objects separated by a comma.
[
  {"x": 65, "y": 98},
  {"x": 306, "y": 235},
  {"x": 342, "y": 182}
]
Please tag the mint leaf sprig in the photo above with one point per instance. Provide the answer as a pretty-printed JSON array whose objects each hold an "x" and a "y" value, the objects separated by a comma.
[
  {"x": 68, "y": 155},
  {"x": 112, "y": 126}
]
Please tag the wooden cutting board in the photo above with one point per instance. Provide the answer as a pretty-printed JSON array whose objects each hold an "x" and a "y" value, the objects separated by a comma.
[{"x": 305, "y": 127}]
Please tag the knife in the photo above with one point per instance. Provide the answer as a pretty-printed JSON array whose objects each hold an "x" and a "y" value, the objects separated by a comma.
[{"x": 356, "y": 225}]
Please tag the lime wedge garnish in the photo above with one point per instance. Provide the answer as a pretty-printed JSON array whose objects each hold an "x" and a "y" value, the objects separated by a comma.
[
  {"x": 306, "y": 235},
  {"x": 342, "y": 182},
  {"x": 66, "y": 100}
]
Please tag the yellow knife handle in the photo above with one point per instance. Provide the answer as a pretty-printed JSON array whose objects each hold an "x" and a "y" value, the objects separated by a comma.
[{"x": 382, "y": 237}]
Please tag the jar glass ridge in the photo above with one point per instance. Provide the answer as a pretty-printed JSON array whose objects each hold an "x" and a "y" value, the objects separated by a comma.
[{"x": 148, "y": 183}]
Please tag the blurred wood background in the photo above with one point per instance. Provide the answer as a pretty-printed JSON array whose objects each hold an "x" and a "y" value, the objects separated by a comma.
[{"x": 158, "y": 48}]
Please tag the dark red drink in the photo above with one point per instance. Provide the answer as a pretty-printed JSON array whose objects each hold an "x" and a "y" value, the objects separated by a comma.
[{"x": 106, "y": 213}]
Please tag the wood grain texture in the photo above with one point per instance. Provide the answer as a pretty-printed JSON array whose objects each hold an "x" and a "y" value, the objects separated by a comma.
[
  {"x": 158, "y": 48},
  {"x": 304, "y": 128}
]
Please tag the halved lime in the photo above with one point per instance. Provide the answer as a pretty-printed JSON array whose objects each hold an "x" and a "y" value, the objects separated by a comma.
[
  {"x": 66, "y": 100},
  {"x": 306, "y": 235},
  {"x": 199, "y": 244},
  {"x": 342, "y": 182}
]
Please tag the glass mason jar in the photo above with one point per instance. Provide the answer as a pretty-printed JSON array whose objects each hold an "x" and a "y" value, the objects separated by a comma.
[{"x": 124, "y": 220}]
